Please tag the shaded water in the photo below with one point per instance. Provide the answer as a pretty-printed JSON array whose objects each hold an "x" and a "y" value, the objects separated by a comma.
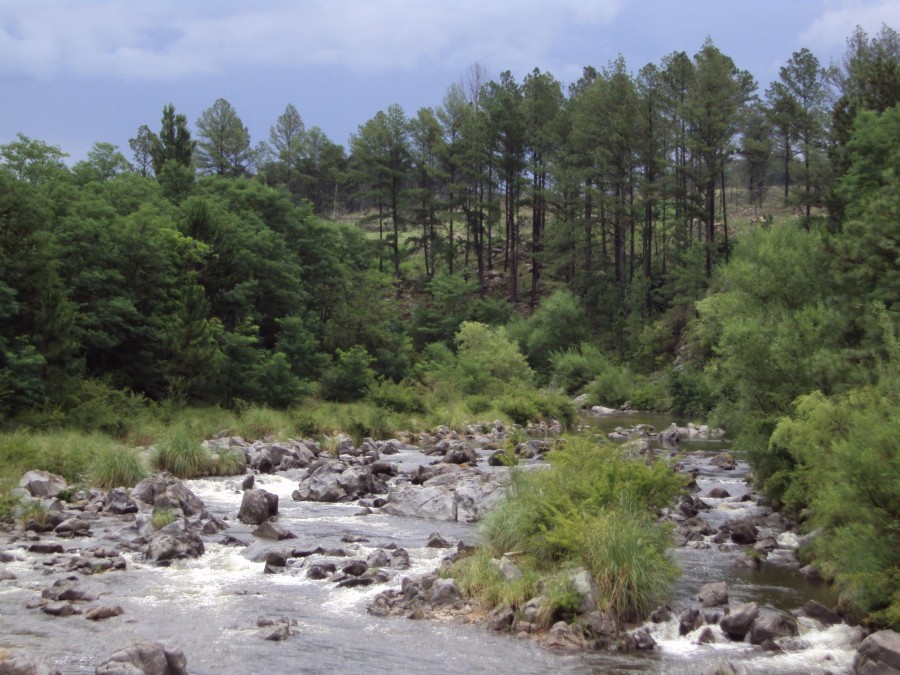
[{"x": 209, "y": 607}]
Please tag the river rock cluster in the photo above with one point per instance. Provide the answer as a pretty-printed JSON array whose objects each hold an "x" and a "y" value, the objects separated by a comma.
[{"x": 450, "y": 478}]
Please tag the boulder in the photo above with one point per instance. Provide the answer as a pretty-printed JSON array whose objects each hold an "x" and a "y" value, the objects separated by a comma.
[
  {"x": 149, "y": 658},
  {"x": 501, "y": 618},
  {"x": 743, "y": 533},
  {"x": 770, "y": 625},
  {"x": 42, "y": 484},
  {"x": 583, "y": 582},
  {"x": 718, "y": 493},
  {"x": 165, "y": 547},
  {"x": 166, "y": 491},
  {"x": 689, "y": 621},
  {"x": 460, "y": 453},
  {"x": 564, "y": 636},
  {"x": 713, "y": 595},
  {"x": 723, "y": 461},
  {"x": 257, "y": 506},
  {"x": 19, "y": 664},
  {"x": 604, "y": 629},
  {"x": 73, "y": 526},
  {"x": 671, "y": 438},
  {"x": 879, "y": 654},
  {"x": 273, "y": 531},
  {"x": 248, "y": 482},
  {"x": 324, "y": 486},
  {"x": 357, "y": 481},
  {"x": 738, "y": 622},
  {"x": 444, "y": 592},
  {"x": 819, "y": 612},
  {"x": 507, "y": 568},
  {"x": 435, "y": 540},
  {"x": 119, "y": 503},
  {"x": 433, "y": 503}
]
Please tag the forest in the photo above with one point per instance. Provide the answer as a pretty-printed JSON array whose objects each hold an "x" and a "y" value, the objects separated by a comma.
[{"x": 671, "y": 239}]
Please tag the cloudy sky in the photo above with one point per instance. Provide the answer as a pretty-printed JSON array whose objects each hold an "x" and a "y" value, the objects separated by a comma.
[{"x": 72, "y": 73}]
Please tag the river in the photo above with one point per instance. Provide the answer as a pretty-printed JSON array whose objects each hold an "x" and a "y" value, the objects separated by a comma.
[{"x": 210, "y": 607}]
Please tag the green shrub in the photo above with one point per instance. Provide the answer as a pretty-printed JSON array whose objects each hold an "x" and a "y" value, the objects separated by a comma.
[
  {"x": 117, "y": 467},
  {"x": 650, "y": 395},
  {"x": 520, "y": 408},
  {"x": 479, "y": 404},
  {"x": 554, "y": 405},
  {"x": 612, "y": 387},
  {"x": 398, "y": 398},
  {"x": 182, "y": 456},
  {"x": 692, "y": 394},
  {"x": 592, "y": 508},
  {"x": 572, "y": 369},
  {"x": 350, "y": 377}
]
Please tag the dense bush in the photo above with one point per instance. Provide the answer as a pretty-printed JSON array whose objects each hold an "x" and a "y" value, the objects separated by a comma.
[
  {"x": 350, "y": 377},
  {"x": 595, "y": 509}
]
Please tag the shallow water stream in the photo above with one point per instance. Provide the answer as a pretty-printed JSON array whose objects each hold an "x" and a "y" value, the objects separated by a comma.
[{"x": 209, "y": 607}]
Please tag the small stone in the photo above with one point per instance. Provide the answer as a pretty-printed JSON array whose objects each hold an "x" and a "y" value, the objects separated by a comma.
[{"x": 103, "y": 612}]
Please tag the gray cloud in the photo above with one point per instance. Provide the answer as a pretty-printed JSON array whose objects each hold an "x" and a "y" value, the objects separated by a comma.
[{"x": 170, "y": 40}]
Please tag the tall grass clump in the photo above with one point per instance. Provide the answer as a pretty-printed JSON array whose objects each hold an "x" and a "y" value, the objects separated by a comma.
[
  {"x": 227, "y": 463},
  {"x": 182, "y": 456},
  {"x": 592, "y": 508},
  {"x": 117, "y": 466}
]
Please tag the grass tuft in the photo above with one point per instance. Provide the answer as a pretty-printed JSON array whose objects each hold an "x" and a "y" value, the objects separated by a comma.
[{"x": 117, "y": 467}]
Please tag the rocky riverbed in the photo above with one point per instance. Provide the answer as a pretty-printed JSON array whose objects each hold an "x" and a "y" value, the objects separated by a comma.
[{"x": 322, "y": 559}]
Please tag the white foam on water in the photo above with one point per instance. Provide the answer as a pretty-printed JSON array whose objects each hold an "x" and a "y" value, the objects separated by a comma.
[{"x": 816, "y": 649}]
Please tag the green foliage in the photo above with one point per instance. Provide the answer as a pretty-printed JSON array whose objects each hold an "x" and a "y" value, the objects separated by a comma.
[
  {"x": 182, "y": 456},
  {"x": 227, "y": 463},
  {"x": 558, "y": 323},
  {"x": 350, "y": 377},
  {"x": 397, "y": 397},
  {"x": 593, "y": 508},
  {"x": 691, "y": 393},
  {"x": 117, "y": 467},
  {"x": 488, "y": 361},
  {"x": 573, "y": 368},
  {"x": 612, "y": 387},
  {"x": 162, "y": 517},
  {"x": 845, "y": 471},
  {"x": 520, "y": 408}
]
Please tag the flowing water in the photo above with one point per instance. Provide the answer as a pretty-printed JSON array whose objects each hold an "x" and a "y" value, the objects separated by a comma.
[{"x": 209, "y": 607}]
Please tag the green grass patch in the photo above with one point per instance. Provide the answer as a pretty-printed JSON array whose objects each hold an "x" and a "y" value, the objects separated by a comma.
[
  {"x": 162, "y": 517},
  {"x": 591, "y": 508},
  {"x": 182, "y": 456},
  {"x": 117, "y": 467}
]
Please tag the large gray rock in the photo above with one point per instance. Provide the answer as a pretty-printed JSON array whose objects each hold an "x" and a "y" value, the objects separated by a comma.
[
  {"x": 322, "y": 487},
  {"x": 584, "y": 583},
  {"x": 433, "y": 503},
  {"x": 713, "y": 595},
  {"x": 770, "y": 625},
  {"x": 19, "y": 664},
  {"x": 119, "y": 503},
  {"x": 145, "y": 657},
  {"x": 42, "y": 484},
  {"x": 460, "y": 453},
  {"x": 165, "y": 491},
  {"x": 165, "y": 547},
  {"x": 819, "y": 612},
  {"x": 444, "y": 592},
  {"x": 879, "y": 654},
  {"x": 257, "y": 506},
  {"x": 738, "y": 622}
]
